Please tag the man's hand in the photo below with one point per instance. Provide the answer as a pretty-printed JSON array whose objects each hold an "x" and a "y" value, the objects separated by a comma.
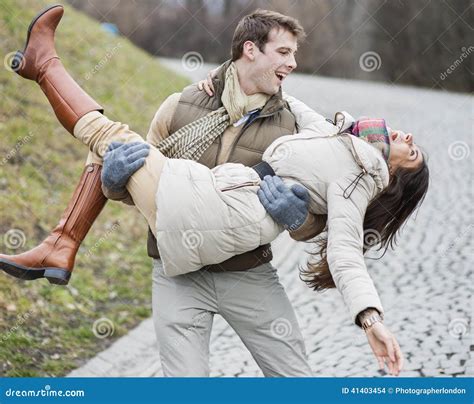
[
  {"x": 385, "y": 348},
  {"x": 287, "y": 206},
  {"x": 120, "y": 163}
]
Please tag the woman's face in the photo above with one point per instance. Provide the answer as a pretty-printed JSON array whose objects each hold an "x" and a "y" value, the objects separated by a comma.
[{"x": 403, "y": 152}]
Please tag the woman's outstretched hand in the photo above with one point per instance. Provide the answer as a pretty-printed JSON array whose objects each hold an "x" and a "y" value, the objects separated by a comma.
[
  {"x": 206, "y": 84},
  {"x": 385, "y": 348}
]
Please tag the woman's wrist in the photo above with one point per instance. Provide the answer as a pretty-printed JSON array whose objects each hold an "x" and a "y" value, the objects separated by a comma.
[{"x": 366, "y": 314}]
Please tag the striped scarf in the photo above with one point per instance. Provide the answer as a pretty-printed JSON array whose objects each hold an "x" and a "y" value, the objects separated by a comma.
[
  {"x": 373, "y": 131},
  {"x": 192, "y": 140}
]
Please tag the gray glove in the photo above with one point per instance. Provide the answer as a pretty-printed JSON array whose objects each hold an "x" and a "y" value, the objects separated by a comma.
[
  {"x": 120, "y": 163},
  {"x": 287, "y": 206}
]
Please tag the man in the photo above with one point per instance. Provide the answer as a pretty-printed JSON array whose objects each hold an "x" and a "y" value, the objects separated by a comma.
[{"x": 245, "y": 290}]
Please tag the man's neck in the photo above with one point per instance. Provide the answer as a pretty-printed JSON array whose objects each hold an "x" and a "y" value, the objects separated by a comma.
[{"x": 245, "y": 80}]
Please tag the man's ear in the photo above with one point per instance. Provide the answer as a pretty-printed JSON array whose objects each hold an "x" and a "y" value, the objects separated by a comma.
[{"x": 249, "y": 50}]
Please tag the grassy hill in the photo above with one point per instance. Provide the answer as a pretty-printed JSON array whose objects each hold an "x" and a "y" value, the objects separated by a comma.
[{"x": 45, "y": 329}]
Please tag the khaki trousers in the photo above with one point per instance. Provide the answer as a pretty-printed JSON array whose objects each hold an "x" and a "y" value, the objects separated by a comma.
[{"x": 97, "y": 132}]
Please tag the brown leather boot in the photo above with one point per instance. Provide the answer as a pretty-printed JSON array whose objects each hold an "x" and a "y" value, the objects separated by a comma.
[
  {"x": 40, "y": 62},
  {"x": 54, "y": 258}
]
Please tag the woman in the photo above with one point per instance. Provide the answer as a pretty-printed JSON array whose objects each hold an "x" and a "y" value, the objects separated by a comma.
[{"x": 357, "y": 173}]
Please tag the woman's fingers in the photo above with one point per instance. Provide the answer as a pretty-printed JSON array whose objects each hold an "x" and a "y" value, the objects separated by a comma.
[
  {"x": 208, "y": 89},
  {"x": 210, "y": 76},
  {"x": 381, "y": 362},
  {"x": 398, "y": 355}
]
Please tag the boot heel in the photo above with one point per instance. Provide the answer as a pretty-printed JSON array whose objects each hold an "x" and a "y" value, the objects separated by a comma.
[{"x": 57, "y": 276}]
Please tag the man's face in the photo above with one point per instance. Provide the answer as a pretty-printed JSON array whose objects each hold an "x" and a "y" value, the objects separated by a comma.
[{"x": 270, "y": 67}]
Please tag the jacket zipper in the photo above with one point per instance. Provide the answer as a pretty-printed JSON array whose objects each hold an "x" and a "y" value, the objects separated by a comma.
[
  {"x": 241, "y": 185},
  {"x": 246, "y": 125}
]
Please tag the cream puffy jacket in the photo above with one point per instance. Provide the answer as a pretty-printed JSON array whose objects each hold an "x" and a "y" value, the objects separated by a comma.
[{"x": 207, "y": 216}]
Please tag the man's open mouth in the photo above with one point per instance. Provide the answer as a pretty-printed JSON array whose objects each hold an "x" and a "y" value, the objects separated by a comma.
[{"x": 280, "y": 76}]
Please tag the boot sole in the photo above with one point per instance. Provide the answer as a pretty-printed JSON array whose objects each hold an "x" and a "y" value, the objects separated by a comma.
[
  {"x": 17, "y": 61},
  {"x": 56, "y": 276}
]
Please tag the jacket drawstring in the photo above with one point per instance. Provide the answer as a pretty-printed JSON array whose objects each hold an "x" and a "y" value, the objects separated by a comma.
[{"x": 354, "y": 183}]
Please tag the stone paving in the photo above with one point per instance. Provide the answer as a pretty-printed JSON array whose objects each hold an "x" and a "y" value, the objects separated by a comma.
[{"x": 425, "y": 284}]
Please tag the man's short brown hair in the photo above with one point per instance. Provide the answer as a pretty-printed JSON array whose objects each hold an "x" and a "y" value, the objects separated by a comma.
[{"x": 255, "y": 27}]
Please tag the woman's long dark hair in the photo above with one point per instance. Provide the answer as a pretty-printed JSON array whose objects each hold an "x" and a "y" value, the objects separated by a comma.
[{"x": 383, "y": 219}]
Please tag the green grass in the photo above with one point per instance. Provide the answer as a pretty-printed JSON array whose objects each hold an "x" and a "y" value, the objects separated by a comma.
[{"x": 47, "y": 330}]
